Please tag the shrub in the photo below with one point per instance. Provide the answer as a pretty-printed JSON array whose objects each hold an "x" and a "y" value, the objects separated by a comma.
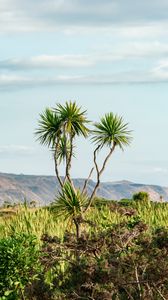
[
  {"x": 141, "y": 196},
  {"x": 19, "y": 264},
  {"x": 125, "y": 202},
  {"x": 123, "y": 262}
]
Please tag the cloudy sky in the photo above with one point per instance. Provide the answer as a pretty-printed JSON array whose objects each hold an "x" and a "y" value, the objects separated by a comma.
[{"x": 109, "y": 55}]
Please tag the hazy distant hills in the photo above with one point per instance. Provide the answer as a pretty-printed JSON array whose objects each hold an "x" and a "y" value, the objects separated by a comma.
[{"x": 43, "y": 189}]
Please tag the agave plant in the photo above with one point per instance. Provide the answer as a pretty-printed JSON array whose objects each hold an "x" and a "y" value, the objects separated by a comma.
[{"x": 70, "y": 204}]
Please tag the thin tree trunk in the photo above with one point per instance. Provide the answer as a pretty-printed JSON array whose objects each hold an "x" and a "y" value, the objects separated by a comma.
[
  {"x": 68, "y": 162},
  {"x": 77, "y": 226},
  {"x": 99, "y": 173},
  {"x": 56, "y": 165},
  {"x": 87, "y": 180}
]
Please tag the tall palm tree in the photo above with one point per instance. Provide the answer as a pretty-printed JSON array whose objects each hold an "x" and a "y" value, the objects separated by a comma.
[
  {"x": 73, "y": 123},
  {"x": 110, "y": 132},
  {"x": 57, "y": 129}
]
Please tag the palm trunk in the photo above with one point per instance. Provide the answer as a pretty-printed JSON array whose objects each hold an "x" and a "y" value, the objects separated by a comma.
[
  {"x": 99, "y": 173},
  {"x": 68, "y": 162},
  {"x": 56, "y": 165},
  {"x": 77, "y": 226}
]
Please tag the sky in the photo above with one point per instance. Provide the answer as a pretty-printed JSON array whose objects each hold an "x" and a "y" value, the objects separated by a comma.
[{"x": 109, "y": 55}]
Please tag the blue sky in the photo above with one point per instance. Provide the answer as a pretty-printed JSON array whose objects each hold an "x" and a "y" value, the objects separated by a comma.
[{"x": 106, "y": 55}]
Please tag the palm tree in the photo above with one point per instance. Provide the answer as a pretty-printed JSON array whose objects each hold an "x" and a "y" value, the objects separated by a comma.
[
  {"x": 57, "y": 129},
  {"x": 111, "y": 132},
  {"x": 70, "y": 204},
  {"x": 73, "y": 123},
  {"x": 49, "y": 134}
]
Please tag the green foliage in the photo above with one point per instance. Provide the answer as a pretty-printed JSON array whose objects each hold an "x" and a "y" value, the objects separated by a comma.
[
  {"x": 125, "y": 202},
  {"x": 49, "y": 127},
  {"x": 121, "y": 262},
  {"x": 141, "y": 196},
  {"x": 73, "y": 120},
  {"x": 19, "y": 264},
  {"x": 111, "y": 130},
  {"x": 63, "y": 150},
  {"x": 117, "y": 245},
  {"x": 69, "y": 203},
  {"x": 55, "y": 123}
]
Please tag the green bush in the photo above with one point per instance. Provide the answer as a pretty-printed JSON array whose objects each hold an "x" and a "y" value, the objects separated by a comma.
[
  {"x": 125, "y": 202},
  {"x": 19, "y": 265},
  {"x": 126, "y": 261},
  {"x": 141, "y": 196}
]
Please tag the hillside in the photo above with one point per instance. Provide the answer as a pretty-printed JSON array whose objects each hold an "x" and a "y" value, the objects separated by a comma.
[{"x": 43, "y": 189}]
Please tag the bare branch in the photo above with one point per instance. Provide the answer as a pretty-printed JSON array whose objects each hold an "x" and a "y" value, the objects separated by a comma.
[
  {"x": 99, "y": 172},
  {"x": 87, "y": 180}
]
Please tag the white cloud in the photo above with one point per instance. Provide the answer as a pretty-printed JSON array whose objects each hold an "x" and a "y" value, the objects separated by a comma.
[
  {"x": 41, "y": 15},
  {"x": 48, "y": 61},
  {"x": 161, "y": 70},
  {"x": 132, "y": 50},
  {"x": 8, "y": 82}
]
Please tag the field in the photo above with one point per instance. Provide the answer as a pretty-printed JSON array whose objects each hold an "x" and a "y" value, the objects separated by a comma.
[
  {"x": 122, "y": 252},
  {"x": 39, "y": 221}
]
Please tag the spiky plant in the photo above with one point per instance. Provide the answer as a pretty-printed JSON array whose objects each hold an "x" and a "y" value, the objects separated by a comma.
[
  {"x": 73, "y": 122},
  {"x": 73, "y": 119},
  {"x": 48, "y": 128},
  {"x": 70, "y": 205},
  {"x": 49, "y": 132},
  {"x": 57, "y": 129},
  {"x": 110, "y": 132}
]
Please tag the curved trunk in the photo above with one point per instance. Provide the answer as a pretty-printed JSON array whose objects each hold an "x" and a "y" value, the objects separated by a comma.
[
  {"x": 56, "y": 165},
  {"x": 68, "y": 162},
  {"x": 99, "y": 173},
  {"x": 87, "y": 180}
]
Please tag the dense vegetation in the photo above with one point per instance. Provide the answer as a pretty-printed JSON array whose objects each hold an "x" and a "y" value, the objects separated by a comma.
[
  {"x": 122, "y": 252},
  {"x": 82, "y": 247}
]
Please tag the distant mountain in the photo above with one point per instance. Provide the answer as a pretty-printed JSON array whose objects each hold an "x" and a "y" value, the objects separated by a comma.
[{"x": 43, "y": 189}]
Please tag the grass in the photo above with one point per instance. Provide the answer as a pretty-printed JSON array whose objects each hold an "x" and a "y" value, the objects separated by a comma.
[
  {"x": 113, "y": 241},
  {"x": 39, "y": 221}
]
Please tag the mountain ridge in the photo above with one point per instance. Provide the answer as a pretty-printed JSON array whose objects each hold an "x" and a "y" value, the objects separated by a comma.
[{"x": 43, "y": 189}]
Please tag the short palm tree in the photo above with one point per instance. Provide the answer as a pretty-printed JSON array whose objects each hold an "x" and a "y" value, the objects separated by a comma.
[
  {"x": 110, "y": 132},
  {"x": 70, "y": 204},
  {"x": 49, "y": 134}
]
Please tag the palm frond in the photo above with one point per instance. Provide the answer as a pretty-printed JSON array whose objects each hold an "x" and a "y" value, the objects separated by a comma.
[
  {"x": 111, "y": 130},
  {"x": 69, "y": 203},
  {"x": 63, "y": 149},
  {"x": 48, "y": 127},
  {"x": 73, "y": 119}
]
